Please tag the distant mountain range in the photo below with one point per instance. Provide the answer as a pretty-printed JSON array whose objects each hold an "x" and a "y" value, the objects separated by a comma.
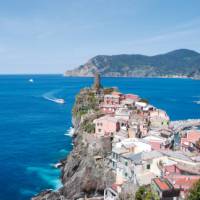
[{"x": 178, "y": 63}]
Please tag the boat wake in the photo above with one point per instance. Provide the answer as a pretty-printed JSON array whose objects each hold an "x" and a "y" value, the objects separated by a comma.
[
  {"x": 50, "y": 97},
  {"x": 197, "y": 102},
  {"x": 60, "y": 101},
  {"x": 70, "y": 132}
]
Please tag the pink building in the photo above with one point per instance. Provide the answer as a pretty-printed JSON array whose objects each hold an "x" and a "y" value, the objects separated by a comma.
[
  {"x": 171, "y": 169},
  {"x": 183, "y": 182},
  {"x": 106, "y": 126},
  {"x": 132, "y": 96},
  {"x": 108, "y": 109},
  {"x": 159, "y": 114},
  {"x": 155, "y": 145},
  {"x": 114, "y": 98},
  {"x": 159, "y": 118},
  {"x": 190, "y": 139},
  {"x": 111, "y": 102},
  {"x": 157, "y": 142}
]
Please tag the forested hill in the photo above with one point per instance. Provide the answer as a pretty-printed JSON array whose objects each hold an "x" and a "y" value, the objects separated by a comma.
[{"x": 182, "y": 62}]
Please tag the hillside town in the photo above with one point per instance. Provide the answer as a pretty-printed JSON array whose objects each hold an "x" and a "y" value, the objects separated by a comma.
[{"x": 147, "y": 148}]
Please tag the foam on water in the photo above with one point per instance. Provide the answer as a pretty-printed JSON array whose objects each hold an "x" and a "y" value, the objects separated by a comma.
[
  {"x": 49, "y": 175},
  {"x": 70, "y": 132}
]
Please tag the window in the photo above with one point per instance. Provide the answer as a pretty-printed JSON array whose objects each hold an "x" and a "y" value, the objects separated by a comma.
[
  {"x": 126, "y": 163},
  {"x": 99, "y": 130},
  {"x": 148, "y": 166},
  {"x": 113, "y": 164},
  {"x": 126, "y": 174}
]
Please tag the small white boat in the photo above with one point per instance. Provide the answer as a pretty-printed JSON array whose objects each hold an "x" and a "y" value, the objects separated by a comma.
[
  {"x": 31, "y": 80},
  {"x": 61, "y": 101}
]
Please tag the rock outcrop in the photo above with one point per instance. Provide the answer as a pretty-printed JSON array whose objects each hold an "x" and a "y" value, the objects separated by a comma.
[{"x": 84, "y": 171}]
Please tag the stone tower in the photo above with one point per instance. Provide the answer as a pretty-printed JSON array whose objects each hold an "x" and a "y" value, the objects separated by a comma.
[{"x": 97, "y": 82}]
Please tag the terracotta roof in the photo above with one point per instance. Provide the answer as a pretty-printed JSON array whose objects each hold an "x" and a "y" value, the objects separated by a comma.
[
  {"x": 163, "y": 184},
  {"x": 184, "y": 182}
]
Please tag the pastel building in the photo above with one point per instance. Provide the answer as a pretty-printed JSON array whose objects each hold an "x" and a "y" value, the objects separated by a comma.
[
  {"x": 140, "y": 105},
  {"x": 106, "y": 126},
  {"x": 134, "y": 97},
  {"x": 123, "y": 113},
  {"x": 183, "y": 159},
  {"x": 159, "y": 118},
  {"x": 140, "y": 168},
  {"x": 114, "y": 98},
  {"x": 164, "y": 189},
  {"x": 189, "y": 140},
  {"x": 109, "y": 108},
  {"x": 183, "y": 183},
  {"x": 129, "y": 145},
  {"x": 111, "y": 102},
  {"x": 157, "y": 142}
]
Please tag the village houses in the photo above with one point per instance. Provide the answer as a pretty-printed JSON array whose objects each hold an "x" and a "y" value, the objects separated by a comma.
[{"x": 142, "y": 148}]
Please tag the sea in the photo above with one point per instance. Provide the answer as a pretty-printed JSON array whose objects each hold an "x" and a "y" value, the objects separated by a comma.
[{"x": 35, "y": 131}]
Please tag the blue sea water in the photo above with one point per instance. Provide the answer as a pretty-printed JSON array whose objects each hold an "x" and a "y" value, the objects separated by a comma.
[{"x": 32, "y": 128}]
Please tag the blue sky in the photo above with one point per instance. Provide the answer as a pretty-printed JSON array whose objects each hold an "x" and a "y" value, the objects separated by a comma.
[{"x": 50, "y": 36}]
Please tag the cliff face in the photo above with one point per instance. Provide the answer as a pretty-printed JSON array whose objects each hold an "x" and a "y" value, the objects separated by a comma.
[
  {"x": 180, "y": 62},
  {"x": 84, "y": 172}
]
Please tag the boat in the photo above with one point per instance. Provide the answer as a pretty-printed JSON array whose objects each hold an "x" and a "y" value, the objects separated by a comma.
[
  {"x": 31, "y": 80},
  {"x": 61, "y": 101}
]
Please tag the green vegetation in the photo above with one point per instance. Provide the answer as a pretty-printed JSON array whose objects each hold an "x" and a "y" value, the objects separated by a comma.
[
  {"x": 194, "y": 193},
  {"x": 198, "y": 144},
  {"x": 182, "y": 62},
  {"x": 89, "y": 127},
  {"x": 84, "y": 102},
  {"x": 145, "y": 193}
]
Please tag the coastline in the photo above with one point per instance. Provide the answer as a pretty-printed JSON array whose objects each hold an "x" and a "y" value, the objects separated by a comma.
[
  {"x": 147, "y": 77},
  {"x": 81, "y": 174},
  {"x": 80, "y": 164}
]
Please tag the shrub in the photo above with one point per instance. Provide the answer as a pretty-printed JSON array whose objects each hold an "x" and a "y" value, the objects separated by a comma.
[
  {"x": 89, "y": 127},
  {"x": 194, "y": 193}
]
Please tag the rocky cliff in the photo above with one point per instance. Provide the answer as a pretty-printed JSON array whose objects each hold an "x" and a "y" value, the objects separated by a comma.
[
  {"x": 178, "y": 63},
  {"x": 84, "y": 171}
]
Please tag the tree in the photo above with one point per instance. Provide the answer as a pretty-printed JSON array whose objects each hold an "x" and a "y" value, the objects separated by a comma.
[
  {"x": 145, "y": 193},
  {"x": 198, "y": 144},
  {"x": 140, "y": 193},
  {"x": 194, "y": 193}
]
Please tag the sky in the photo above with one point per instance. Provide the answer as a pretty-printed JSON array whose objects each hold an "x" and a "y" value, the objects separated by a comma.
[{"x": 51, "y": 36}]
